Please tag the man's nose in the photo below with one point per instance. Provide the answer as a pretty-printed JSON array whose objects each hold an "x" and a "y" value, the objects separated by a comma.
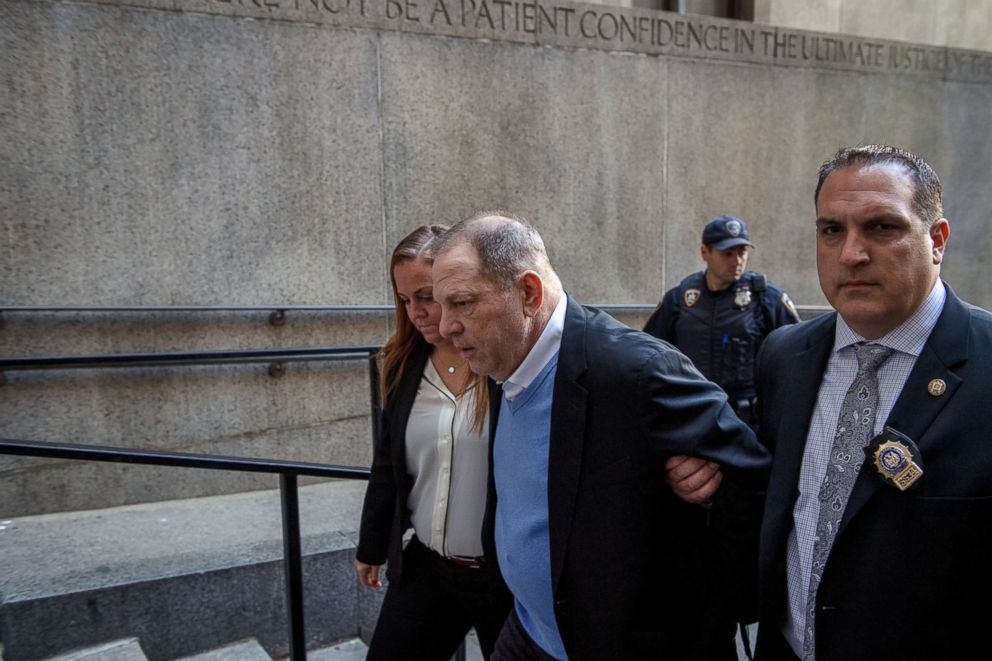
[
  {"x": 854, "y": 250},
  {"x": 448, "y": 325}
]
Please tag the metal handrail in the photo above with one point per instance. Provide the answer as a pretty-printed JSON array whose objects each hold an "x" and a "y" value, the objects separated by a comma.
[
  {"x": 366, "y": 307},
  {"x": 288, "y": 472},
  {"x": 195, "y": 308},
  {"x": 278, "y": 314},
  {"x": 276, "y": 358},
  {"x": 234, "y": 356}
]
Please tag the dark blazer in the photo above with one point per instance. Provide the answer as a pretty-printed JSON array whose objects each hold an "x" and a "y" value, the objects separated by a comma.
[
  {"x": 906, "y": 568},
  {"x": 627, "y": 563},
  {"x": 384, "y": 515}
]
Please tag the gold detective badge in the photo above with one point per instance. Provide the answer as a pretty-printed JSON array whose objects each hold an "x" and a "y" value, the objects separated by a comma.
[{"x": 896, "y": 458}]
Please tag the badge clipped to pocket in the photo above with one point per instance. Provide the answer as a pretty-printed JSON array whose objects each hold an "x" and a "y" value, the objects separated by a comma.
[{"x": 896, "y": 458}]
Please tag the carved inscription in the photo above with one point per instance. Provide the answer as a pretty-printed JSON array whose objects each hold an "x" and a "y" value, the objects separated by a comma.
[
  {"x": 559, "y": 22},
  {"x": 274, "y": 6}
]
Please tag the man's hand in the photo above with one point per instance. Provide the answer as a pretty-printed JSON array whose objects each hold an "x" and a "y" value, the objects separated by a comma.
[
  {"x": 368, "y": 575},
  {"x": 693, "y": 480}
]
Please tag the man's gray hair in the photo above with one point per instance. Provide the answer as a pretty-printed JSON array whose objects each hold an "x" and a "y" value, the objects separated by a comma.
[
  {"x": 926, "y": 186},
  {"x": 506, "y": 243}
]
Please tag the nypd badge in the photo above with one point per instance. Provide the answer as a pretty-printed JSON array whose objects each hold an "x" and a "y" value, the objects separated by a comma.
[
  {"x": 733, "y": 228},
  {"x": 789, "y": 305},
  {"x": 742, "y": 297},
  {"x": 690, "y": 297},
  {"x": 896, "y": 458}
]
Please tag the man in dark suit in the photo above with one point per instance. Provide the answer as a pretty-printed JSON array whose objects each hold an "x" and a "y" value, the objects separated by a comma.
[
  {"x": 602, "y": 559},
  {"x": 890, "y": 563}
]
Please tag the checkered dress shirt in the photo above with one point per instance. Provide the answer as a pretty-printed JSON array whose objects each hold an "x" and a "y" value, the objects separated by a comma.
[{"x": 908, "y": 340}]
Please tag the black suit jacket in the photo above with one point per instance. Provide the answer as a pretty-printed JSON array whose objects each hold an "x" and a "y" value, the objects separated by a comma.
[
  {"x": 629, "y": 575},
  {"x": 906, "y": 567},
  {"x": 384, "y": 514}
]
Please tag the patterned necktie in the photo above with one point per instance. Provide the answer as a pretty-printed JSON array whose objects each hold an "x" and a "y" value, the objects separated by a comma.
[{"x": 855, "y": 426}]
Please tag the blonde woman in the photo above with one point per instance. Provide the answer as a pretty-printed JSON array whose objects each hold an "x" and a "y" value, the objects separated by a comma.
[{"x": 429, "y": 473}]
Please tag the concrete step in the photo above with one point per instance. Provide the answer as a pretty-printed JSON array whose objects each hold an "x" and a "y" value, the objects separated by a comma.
[
  {"x": 348, "y": 650},
  {"x": 127, "y": 649},
  {"x": 181, "y": 576},
  {"x": 356, "y": 649},
  {"x": 243, "y": 650}
]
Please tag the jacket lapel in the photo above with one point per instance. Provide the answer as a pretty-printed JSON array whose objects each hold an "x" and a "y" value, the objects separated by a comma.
[
  {"x": 802, "y": 385},
  {"x": 489, "y": 519},
  {"x": 915, "y": 409},
  {"x": 402, "y": 404},
  {"x": 568, "y": 415}
]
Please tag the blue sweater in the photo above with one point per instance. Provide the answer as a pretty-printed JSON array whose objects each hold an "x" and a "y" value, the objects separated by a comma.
[{"x": 523, "y": 546}]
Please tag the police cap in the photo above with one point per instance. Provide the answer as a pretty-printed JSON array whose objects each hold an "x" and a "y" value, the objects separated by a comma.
[{"x": 726, "y": 232}]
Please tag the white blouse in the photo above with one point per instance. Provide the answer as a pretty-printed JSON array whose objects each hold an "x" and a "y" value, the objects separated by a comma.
[{"x": 449, "y": 463}]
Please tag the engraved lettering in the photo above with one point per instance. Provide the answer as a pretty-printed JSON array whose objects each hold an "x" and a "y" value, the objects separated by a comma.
[
  {"x": 694, "y": 36},
  {"x": 612, "y": 30},
  {"x": 530, "y": 17},
  {"x": 502, "y": 4},
  {"x": 724, "y": 46},
  {"x": 627, "y": 27},
  {"x": 664, "y": 26},
  {"x": 440, "y": 7},
  {"x": 484, "y": 14},
  {"x": 582, "y": 24},
  {"x": 743, "y": 41},
  {"x": 567, "y": 11},
  {"x": 610, "y": 27},
  {"x": 544, "y": 17},
  {"x": 679, "y": 39}
]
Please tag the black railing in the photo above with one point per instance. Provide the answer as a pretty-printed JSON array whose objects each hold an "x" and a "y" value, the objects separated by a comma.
[
  {"x": 275, "y": 357},
  {"x": 635, "y": 307},
  {"x": 278, "y": 314},
  {"x": 288, "y": 472}
]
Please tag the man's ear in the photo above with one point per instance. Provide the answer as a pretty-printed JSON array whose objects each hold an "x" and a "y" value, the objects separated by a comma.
[
  {"x": 939, "y": 233},
  {"x": 531, "y": 292}
]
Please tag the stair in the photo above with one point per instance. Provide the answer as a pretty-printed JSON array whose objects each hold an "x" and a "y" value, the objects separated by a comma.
[
  {"x": 181, "y": 576},
  {"x": 243, "y": 650},
  {"x": 127, "y": 649},
  {"x": 349, "y": 650}
]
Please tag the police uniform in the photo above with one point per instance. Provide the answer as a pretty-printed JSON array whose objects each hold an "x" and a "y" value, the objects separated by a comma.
[{"x": 721, "y": 331}]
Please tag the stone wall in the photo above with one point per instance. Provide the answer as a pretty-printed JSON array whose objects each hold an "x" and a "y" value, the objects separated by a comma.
[
  {"x": 955, "y": 23},
  {"x": 266, "y": 152}
]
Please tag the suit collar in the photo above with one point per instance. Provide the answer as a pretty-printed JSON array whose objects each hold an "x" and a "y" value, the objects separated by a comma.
[
  {"x": 568, "y": 418},
  {"x": 946, "y": 350},
  {"x": 803, "y": 386}
]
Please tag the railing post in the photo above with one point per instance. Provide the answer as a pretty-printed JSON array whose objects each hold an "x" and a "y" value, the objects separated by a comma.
[{"x": 293, "y": 559}]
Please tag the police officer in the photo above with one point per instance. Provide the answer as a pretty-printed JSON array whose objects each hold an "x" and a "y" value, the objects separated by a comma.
[{"x": 720, "y": 316}]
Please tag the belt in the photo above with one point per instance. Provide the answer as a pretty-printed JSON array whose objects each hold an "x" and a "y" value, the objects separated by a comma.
[
  {"x": 460, "y": 561},
  {"x": 465, "y": 561}
]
